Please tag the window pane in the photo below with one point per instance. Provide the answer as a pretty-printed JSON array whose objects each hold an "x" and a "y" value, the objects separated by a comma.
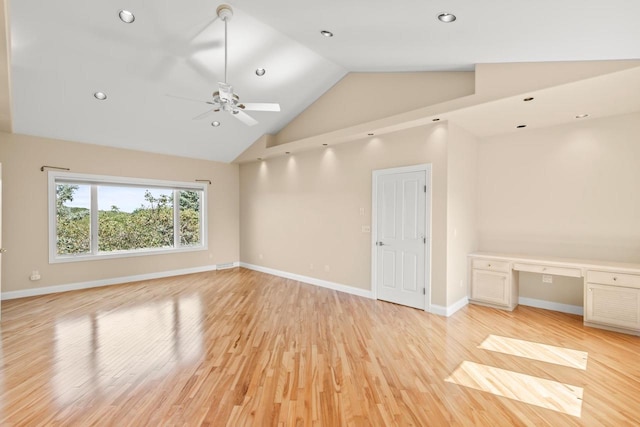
[
  {"x": 73, "y": 219},
  {"x": 132, "y": 218},
  {"x": 190, "y": 218}
]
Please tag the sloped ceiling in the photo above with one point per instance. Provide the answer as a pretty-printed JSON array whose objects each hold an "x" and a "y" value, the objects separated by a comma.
[{"x": 62, "y": 52}]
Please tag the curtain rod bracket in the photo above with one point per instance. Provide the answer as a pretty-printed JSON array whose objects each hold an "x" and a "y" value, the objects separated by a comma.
[{"x": 204, "y": 180}]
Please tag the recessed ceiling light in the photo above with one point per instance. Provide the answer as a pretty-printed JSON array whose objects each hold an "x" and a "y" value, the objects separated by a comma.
[
  {"x": 326, "y": 33},
  {"x": 528, "y": 99},
  {"x": 581, "y": 116},
  {"x": 370, "y": 134},
  {"x": 126, "y": 16},
  {"x": 447, "y": 17},
  {"x": 435, "y": 120},
  {"x": 260, "y": 72},
  {"x": 287, "y": 152},
  {"x": 100, "y": 95},
  {"x": 521, "y": 126},
  {"x": 324, "y": 145},
  {"x": 215, "y": 124}
]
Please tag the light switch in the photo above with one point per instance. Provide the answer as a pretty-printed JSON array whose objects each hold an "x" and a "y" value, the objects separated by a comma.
[{"x": 547, "y": 278}]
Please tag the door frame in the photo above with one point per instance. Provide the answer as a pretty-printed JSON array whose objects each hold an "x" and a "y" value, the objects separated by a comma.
[{"x": 426, "y": 167}]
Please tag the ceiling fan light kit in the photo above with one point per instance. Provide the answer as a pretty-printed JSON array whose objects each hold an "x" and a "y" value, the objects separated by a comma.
[{"x": 225, "y": 99}]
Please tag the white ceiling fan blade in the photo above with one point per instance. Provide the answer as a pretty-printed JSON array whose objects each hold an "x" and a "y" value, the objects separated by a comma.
[
  {"x": 244, "y": 118},
  {"x": 188, "y": 99},
  {"x": 204, "y": 115},
  {"x": 260, "y": 106}
]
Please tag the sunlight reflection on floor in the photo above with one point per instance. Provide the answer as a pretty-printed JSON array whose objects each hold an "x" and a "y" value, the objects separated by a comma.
[
  {"x": 536, "y": 351},
  {"x": 524, "y": 388}
]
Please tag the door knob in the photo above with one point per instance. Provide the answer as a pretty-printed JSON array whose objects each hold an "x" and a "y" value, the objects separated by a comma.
[{"x": 379, "y": 244}]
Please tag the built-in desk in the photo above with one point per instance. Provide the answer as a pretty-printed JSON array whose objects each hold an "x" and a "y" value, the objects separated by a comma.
[{"x": 611, "y": 290}]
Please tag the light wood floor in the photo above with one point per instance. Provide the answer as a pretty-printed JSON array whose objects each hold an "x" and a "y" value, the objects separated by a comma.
[{"x": 238, "y": 348}]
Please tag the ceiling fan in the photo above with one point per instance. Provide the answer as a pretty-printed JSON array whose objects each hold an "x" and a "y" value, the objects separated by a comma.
[{"x": 224, "y": 99}]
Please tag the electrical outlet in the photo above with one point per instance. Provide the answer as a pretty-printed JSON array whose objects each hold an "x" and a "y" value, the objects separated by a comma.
[
  {"x": 35, "y": 275},
  {"x": 547, "y": 278},
  {"x": 326, "y": 268},
  {"x": 366, "y": 229}
]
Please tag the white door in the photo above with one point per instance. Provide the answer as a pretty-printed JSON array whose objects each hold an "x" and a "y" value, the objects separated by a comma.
[{"x": 400, "y": 236}]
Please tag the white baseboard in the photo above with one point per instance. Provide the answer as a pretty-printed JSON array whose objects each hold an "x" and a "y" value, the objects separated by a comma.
[
  {"x": 105, "y": 282},
  {"x": 450, "y": 310},
  {"x": 549, "y": 305},
  {"x": 311, "y": 280}
]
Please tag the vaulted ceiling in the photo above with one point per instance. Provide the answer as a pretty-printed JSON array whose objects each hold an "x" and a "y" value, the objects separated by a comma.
[{"x": 62, "y": 52}]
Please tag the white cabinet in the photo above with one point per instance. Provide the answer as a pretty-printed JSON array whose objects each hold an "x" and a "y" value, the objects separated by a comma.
[
  {"x": 611, "y": 289},
  {"x": 493, "y": 283},
  {"x": 612, "y": 300}
]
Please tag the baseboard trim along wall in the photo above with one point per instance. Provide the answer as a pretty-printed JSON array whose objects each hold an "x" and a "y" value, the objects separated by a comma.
[
  {"x": 549, "y": 305},
  {"x": 107, "y": 282},
  {"x": 450, "y": 310},
  {"x": 310, "y": 280}
]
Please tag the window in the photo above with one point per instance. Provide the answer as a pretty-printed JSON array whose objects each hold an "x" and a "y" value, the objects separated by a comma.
[{"x": 93, "y": 217}]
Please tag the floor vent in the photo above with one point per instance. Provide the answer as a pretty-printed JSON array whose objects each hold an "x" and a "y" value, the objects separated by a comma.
[{"x": 224, "y": 266}]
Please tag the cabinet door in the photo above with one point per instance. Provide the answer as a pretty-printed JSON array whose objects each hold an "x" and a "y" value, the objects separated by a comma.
[
  {"x": 490, "y": 287},
  {"x": 613, "y": 305}
]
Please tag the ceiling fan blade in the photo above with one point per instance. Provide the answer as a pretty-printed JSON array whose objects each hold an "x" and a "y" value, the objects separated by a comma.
[
  {"x": 204, "y": 115},
  {"x": 244, "y": 118},
  {"x": 260, "y": 106},
  {"x": 188, "y": 99}
]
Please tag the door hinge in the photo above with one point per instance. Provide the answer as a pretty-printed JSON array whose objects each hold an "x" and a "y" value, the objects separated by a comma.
[
  {"x": 424, "y": 240},
  {"x": 424, "y": 291},
  {"x": 425, "y": 188}
]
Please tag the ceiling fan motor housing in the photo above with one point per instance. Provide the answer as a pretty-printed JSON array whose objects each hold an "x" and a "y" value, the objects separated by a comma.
[{"x": 224, "y": 12}]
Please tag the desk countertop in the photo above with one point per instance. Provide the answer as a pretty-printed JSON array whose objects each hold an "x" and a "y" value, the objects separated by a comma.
[{"x": 561, "y": 262}]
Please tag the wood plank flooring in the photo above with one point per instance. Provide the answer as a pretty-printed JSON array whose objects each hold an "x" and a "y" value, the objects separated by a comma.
[{"x": 242, "y": 348}]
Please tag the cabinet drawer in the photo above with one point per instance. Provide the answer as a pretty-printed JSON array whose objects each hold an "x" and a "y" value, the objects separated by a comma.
[
  {"x": 545, "y": 269},
  {"x": 608, "y": 278},
  {"x": 487, "y": 264}
]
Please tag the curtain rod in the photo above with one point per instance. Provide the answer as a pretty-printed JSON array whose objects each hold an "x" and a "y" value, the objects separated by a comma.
[{"x": 42, "y": 168}]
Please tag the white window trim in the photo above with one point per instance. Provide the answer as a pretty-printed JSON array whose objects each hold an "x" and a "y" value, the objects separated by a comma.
[{"x": 54, "y": 258}]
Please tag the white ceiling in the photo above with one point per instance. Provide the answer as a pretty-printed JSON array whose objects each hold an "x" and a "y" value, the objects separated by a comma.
[{"x": 64, "y": 51}]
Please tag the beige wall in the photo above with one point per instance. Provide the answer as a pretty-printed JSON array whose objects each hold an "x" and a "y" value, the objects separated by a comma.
[
  {"x": 568, "y": 191},
  {"x": 300, "y": 213},
  {"x": 364, "y": 97},
  {"x": 24, "y": 205},
  {"x": 563, "y": 290},
  {"x": 462, "y": 239}
]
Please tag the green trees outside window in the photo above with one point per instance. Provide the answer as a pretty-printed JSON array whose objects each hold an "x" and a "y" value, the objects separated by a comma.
[{"x": 150, "y": 225}]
